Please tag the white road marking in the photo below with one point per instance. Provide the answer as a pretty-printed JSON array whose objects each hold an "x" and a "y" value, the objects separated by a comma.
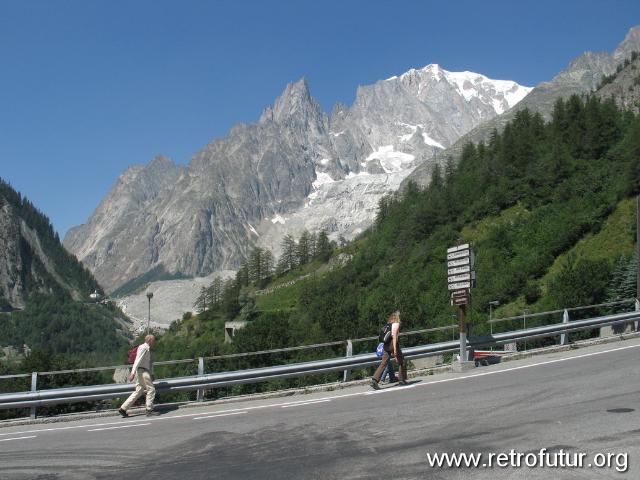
[
  {"x": 221, "y": 415},
  {"x": 522, "y": 367},
  {"x": 73, "y": 427},
  {"x": 311, "y": 402},
  {"x": 17, "y": 438},
  {"x": 405, "y": 387},
  {"x": 121, "y": 426},
  {"x": 378, "y": 392},
  {"x": 296, "y": 402}
]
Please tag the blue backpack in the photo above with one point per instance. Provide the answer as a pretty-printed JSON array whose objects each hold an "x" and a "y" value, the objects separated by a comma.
[{"x": 380, "y": 350}]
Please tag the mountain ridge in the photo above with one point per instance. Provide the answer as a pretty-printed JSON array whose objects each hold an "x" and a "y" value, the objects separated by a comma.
[{"x": 205, "y": 216}]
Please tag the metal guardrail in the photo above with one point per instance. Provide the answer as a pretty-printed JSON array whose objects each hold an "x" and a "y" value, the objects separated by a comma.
[
  {"x": 552, "y": 312},
  {"x": 232, "y": 355},
  {"x": 223, "y": 379},
  {"x": 35, "y": 376}
]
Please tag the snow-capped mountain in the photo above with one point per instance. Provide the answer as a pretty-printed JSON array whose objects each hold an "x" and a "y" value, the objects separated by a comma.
[
  {"x": 582, "y": 75},
  {"x": 393, "y": 126},
  {"x": 296, "y": 168}
]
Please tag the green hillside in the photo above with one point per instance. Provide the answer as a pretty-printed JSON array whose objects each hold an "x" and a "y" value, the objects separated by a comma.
[
  {"x": 57, "y": 318},
  {"x": 549, "y": 208}
]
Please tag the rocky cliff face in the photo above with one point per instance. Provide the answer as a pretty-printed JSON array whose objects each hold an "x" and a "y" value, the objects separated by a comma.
[
  {"x": 29, "y": 262},
  {"x": 624, "y": 89},
  {"x": 581, "y": 76},
  {"x": 296, "y": 168},
  {"x": 12, "y": 265}
]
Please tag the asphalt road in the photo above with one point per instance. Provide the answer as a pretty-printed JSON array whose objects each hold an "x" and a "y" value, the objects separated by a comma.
[{"x": 582, "y": 402}]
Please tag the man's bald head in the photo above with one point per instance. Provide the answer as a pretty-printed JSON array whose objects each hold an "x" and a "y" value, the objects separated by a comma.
[{"x": 150, "y": 340}]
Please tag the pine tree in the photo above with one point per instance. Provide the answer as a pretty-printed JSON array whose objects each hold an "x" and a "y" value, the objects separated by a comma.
[
  {"x": 268, "y": 263},
  {"x": 303, "y": 251},
  {"x": 313, "y": 245},
  {"x": 230, "y": 293},
  {"x": 436, "y": 176},
  {"x": 215, "y": 291},
  {"x": 201, "y": 301},
  {"x": 288, "y": 259},
  {"x": 255, "y": 265},
  {"x": 242, "y": 276},
  {"x": 628, "y": 285},
  {"x": 623, "y": 282},
  {"x": 324, "y": 248}
]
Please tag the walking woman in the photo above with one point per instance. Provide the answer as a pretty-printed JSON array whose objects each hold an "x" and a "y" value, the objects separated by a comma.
[{"x": 391, "y": 350}]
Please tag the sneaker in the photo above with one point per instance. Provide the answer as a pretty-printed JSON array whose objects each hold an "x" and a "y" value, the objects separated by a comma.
[
  {"x": 123, "y": 413},
  {"x": 374, "y": 384}
]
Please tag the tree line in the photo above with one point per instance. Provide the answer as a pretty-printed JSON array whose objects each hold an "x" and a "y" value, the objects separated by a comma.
[{"x": 261, "y": 268}]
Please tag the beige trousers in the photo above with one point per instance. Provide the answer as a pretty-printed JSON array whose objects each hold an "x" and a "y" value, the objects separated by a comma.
[{"x": 144, "y": 385}]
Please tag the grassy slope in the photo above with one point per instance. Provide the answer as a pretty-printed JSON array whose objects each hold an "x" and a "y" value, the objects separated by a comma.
[{"x": 614, "y": 239}]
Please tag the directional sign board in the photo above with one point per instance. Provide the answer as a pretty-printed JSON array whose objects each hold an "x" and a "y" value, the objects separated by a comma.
[
  {"x": 457, "y": 248},
  {"x": 458, "y": 254},
  {"x": 460, "y": 297},
  {"x": 459, "y": 285},
  {"x": 465, "y": 277},
  {"x": 460, "y": 261},
  {"x": 459, "y": 270}
]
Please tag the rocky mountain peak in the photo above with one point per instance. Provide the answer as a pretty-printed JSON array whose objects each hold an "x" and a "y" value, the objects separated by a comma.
[
  {"x": 149, "y": 180},
  {"x": 160, "y": 163},
  {"x": 631, "y": 43},
  {"x": 294, "y": 103},
  {"x": 585, "y": 71}
]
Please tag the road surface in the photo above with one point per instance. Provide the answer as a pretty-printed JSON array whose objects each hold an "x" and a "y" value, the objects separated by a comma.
[{"x": 582, "y": 402}]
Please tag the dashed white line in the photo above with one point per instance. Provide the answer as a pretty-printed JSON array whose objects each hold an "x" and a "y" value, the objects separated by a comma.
[
  {"x": 121, "y": 426},
  {"x": 221, "y": 415},
  {"x": 17, "y": 438},
  {"x": 310, "y": 402}
]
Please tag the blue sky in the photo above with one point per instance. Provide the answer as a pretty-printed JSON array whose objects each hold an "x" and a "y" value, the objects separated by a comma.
[{"x": 88, "y": 88}]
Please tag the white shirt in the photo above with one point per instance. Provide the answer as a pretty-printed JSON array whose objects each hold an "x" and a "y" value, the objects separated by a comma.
[
  {"x": 395, "y": 327},
  {"x": 143, "y": 358}
]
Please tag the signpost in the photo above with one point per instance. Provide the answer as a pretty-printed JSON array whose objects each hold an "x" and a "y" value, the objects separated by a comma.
[{"x": 461, "y": 278}]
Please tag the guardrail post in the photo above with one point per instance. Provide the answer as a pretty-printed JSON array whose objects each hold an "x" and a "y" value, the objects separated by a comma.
[
  {"x": 564, "y": 337},
  {"x": 347, "y": 373},
  {"x": 637, "y": 310},
  {"x": 200, "y": 395},
  {"x": 34, "y": 387}
]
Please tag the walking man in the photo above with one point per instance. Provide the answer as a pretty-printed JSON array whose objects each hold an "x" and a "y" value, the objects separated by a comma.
[
  {"x": 391, "y": 350},
  {"x": 142, "y": 369}
]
